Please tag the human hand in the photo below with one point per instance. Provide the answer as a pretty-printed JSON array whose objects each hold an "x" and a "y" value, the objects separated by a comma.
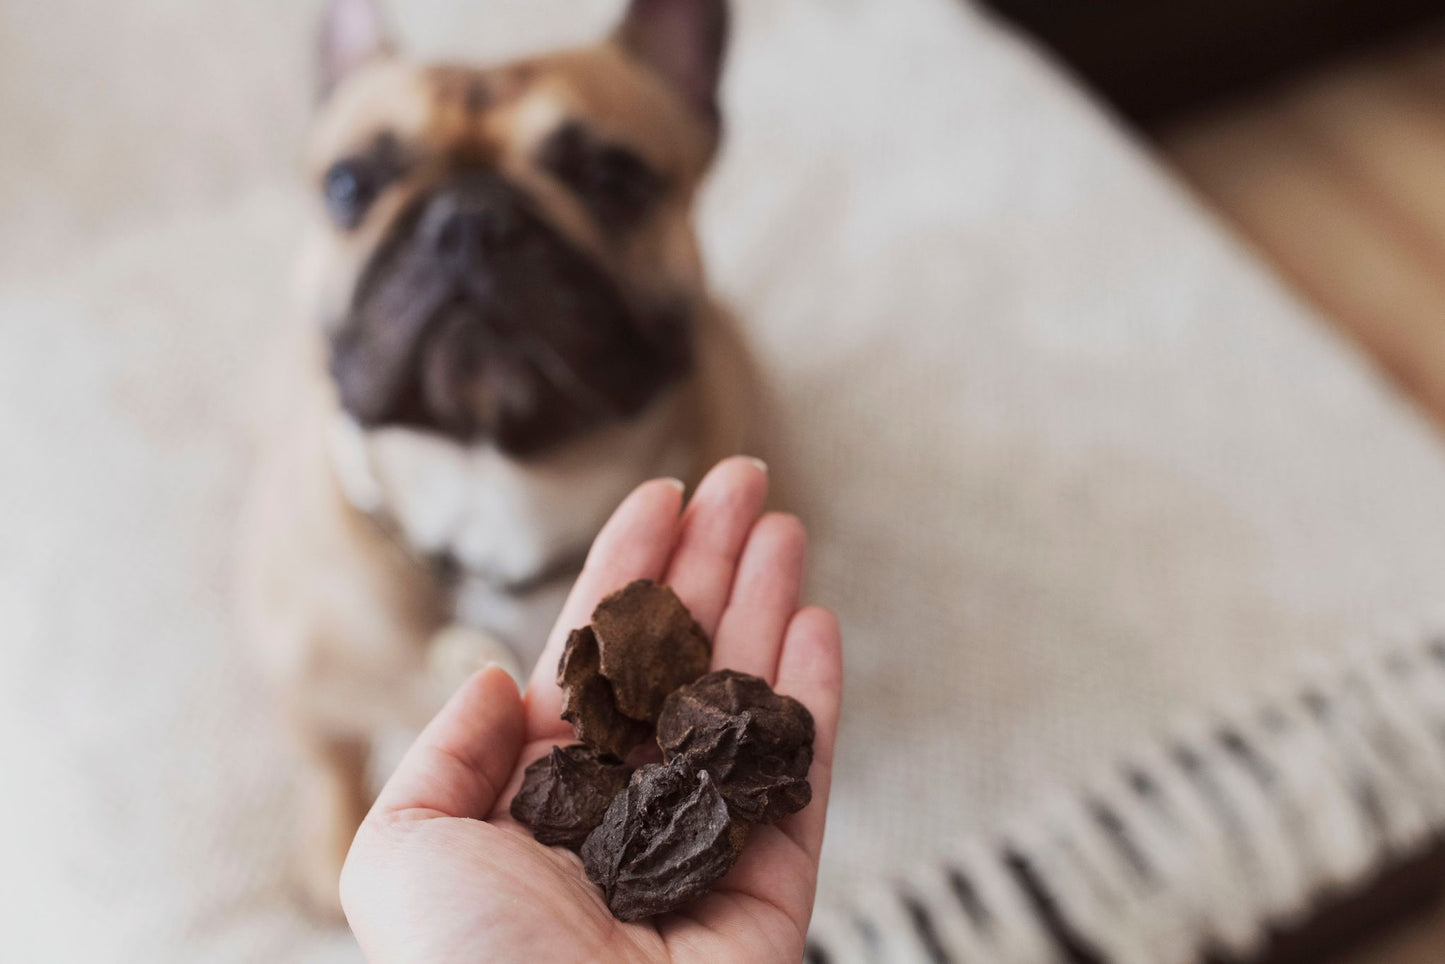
[{"x": 439, "y": 871}]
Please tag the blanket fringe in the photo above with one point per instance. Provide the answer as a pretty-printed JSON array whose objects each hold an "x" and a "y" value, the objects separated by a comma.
[{"x": 1233, "y": 823}]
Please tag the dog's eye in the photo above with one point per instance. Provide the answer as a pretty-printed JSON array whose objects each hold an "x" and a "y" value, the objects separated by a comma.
[
  {"x": 615, "y": 184},
  {"x": 350, "y": 187},
  {"x": 620, "y": 180}
]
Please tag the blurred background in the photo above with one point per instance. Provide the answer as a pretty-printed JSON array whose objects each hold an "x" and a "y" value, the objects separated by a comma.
[
  {"x": 1313, "y": 127},
  {"x": 1125, "y": 232}
]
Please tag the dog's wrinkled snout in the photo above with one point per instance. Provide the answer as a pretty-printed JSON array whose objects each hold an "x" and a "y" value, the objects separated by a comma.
[
  {"x": 477, "y": 318},
  {"x": 469, "y": 220}
]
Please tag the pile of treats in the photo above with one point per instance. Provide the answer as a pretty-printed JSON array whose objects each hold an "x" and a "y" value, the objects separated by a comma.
[{"x": 734, "y": 754}]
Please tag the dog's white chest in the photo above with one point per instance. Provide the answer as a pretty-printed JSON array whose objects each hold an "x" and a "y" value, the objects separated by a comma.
[{"x": 503, "y": 520}]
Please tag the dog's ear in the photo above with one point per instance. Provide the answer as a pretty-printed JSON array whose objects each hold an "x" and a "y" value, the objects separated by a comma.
[
  {"x": 353, "y": 32},
  {"x": 684, "y": 42}
]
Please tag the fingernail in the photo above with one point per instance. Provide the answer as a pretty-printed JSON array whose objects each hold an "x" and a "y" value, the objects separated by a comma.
[
  {"x": 677, "y": 484},
  {"x": 757, "y": 462},
  {"x": 514, "y": 672}
]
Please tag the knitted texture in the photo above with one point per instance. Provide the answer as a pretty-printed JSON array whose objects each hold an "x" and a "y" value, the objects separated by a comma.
[{"x": 1194, "y": 846}]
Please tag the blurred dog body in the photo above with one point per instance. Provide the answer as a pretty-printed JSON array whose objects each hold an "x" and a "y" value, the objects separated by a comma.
[{"x": 508, "y": 329}]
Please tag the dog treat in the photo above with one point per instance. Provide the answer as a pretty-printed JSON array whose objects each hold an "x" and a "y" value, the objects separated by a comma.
[
  {"x": 650, "y": 645},
  {"x": 735, "y": 754},
  {"x": 565, "y": 794},
  {"x": 588, "y": 702},
  {"x": 757, "y": 744},
  {"x": 665, "y": 840}
]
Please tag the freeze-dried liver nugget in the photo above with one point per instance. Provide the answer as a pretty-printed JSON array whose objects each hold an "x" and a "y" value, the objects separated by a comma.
[
  {"x": 588, "y": 702},
  {"x": 757, "y": 744},
  {"x": 565, "y": 794},
  {"x": 665, "y": 840},
  {"x": 650, "y": 645}
]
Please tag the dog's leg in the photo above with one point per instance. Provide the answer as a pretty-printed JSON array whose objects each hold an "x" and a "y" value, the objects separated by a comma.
[
  {"x": 339, "y": 615},
  {"x": 334, "y": 797}
]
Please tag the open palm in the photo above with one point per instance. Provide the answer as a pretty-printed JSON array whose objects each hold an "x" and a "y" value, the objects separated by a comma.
[{"x": 440, "y": 872}]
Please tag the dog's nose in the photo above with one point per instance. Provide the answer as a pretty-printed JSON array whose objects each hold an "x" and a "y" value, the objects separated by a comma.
[{"x": 469, "y": 220}]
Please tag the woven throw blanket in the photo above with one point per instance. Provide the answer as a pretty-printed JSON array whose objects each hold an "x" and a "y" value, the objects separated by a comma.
[{"x": 1234, "y": 824}]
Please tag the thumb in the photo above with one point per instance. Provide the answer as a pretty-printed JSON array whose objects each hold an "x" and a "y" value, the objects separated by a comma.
[{"x": 463, "y": 759}]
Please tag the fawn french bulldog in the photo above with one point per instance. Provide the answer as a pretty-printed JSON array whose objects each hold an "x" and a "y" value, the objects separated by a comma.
[{"x": 507, "y": 327}]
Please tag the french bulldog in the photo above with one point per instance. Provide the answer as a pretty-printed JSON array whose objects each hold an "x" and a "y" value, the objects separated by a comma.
[{"x": 507, "y": 327}]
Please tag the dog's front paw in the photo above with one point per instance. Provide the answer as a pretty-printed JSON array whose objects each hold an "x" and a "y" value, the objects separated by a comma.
[
  {"x": 458, "y": 651},
  {"x": 318, "y": 875},
  {"x": 333, "y": 802}
]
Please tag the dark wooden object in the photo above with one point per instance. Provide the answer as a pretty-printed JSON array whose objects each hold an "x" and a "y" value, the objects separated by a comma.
[
  {"x": 1346, "y": 924},
  {"x": 1156, "y": 60}
]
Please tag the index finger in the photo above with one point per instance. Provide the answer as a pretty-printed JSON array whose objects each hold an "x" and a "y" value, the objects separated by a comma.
[{"x": 634, "y": 544}]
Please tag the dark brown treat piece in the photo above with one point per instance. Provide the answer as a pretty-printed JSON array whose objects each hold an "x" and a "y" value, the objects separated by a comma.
[
  {"x": 588, "y": 703},
  {"x": 757, "y": 744},
  {"x": 665, "y": 840},
  {"x": 565, "y": 794},
  {"x": 650, "y": 646}
]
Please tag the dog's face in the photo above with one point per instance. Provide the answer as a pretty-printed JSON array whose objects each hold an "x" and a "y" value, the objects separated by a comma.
[{"x": 505, "y": 253}]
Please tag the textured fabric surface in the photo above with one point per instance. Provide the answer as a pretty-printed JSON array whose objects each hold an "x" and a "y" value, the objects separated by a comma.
[
  {"x": 1071, "y": 461},
  {"x": 1214, "y": 836}
]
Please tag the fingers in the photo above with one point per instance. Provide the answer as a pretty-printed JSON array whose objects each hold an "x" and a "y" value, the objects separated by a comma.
[
  {"x": 465, "y": 756},
  {"x": 637, "y": 543},
  {"x": 634, "y": 544},
  {"x": 764, "y": 597},
  {"x": 811, "y": 671},
  {"x": 715, "y": 528},
  {"x": 776, "y": 877}
]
